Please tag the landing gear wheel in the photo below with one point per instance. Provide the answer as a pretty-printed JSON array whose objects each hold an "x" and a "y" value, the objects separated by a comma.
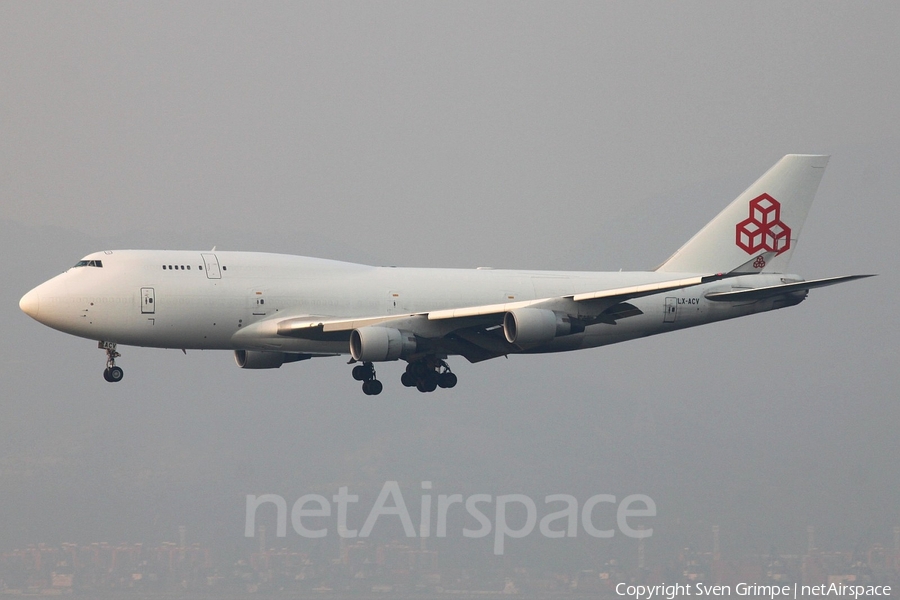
[
  {"x": 114, "y": 374},
  {"x": 428, "y": 383},
  {"x": 372, "y": 387},
  {"x": 431, "y": 380},
  {"x": 447, "y": 379},
  {"x": 408, "y": 379},
  {"x": 362, "y": 372}
]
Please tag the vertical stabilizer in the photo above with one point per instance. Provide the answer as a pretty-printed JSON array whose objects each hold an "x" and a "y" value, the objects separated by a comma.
[{"x": 762, "y": 225}]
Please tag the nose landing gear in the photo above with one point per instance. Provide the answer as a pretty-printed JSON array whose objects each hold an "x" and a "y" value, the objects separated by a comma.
[
  {"x": 111, "y": 373},
  {"x": 366, "y": 373}
]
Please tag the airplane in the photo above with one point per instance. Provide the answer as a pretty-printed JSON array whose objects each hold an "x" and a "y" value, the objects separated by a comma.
[{"x": 273, "y": 309}]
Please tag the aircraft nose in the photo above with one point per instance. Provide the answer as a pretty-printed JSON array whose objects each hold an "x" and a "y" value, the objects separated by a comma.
[{"x": 31, "y": 303}]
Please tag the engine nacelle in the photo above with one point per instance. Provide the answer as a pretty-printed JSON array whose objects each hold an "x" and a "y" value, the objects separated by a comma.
[
  {"x": 374, "y": 344},
  {"x": 254, "y": 359},
  {"x": 524, "y": 326}
]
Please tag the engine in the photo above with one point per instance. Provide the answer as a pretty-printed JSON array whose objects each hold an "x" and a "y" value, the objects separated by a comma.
[
  {"x": 254, "y": 359},
  {"x": 373, "y": 344},
  {"x": 524, "y": 326}
]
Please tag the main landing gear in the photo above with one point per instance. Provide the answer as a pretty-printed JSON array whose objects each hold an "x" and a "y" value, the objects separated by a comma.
[
  {"x": 112, "y": 373},
  {"x": 425, "y": 374},
  {"x": 428, "y": 374},
  {"x": 366, "y": 373}
]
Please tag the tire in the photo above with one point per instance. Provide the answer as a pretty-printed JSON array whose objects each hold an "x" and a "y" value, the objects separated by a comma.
[
  {"x": 447, "y": 380},
  {"x": 115, "y": 374},
  {"x": 408, "y": 380},
  {"x": 106, "y": 375},
  {"x": 375, "y": 387},
  {"x": 360, "y": 373},
  {"x": 431, "y": 380}
]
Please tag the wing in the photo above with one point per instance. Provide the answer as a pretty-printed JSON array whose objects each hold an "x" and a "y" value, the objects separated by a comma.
[{"x": 474, "y": 332}]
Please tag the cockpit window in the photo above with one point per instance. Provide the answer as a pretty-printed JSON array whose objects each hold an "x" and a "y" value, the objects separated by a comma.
[{"x": 89, "y": 263}]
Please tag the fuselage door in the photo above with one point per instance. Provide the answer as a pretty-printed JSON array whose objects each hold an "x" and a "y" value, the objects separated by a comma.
[
  {"x": 212, "y": 266},
  {"x": 148, "y": 301},
  {"x": 258, "y": 304},
  {"x": 396, "y": 304},
  {"x": 670, "y": 310}
]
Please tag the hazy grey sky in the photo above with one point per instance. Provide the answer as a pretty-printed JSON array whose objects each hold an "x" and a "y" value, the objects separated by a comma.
[{"x": 511, "y": 134}]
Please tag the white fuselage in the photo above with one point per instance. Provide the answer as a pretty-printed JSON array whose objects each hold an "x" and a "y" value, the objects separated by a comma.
[{"x": 204, "y": 300}]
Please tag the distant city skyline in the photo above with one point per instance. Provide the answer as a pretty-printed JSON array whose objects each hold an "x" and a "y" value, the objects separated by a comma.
[{"x": 363, "y": 566}]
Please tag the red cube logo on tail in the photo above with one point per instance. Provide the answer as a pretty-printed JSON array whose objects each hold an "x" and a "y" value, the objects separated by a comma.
[{"x": 763, "y": 230}]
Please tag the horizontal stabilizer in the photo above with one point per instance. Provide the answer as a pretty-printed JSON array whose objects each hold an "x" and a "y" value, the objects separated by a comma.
[{"x": 777, "y": 290}]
